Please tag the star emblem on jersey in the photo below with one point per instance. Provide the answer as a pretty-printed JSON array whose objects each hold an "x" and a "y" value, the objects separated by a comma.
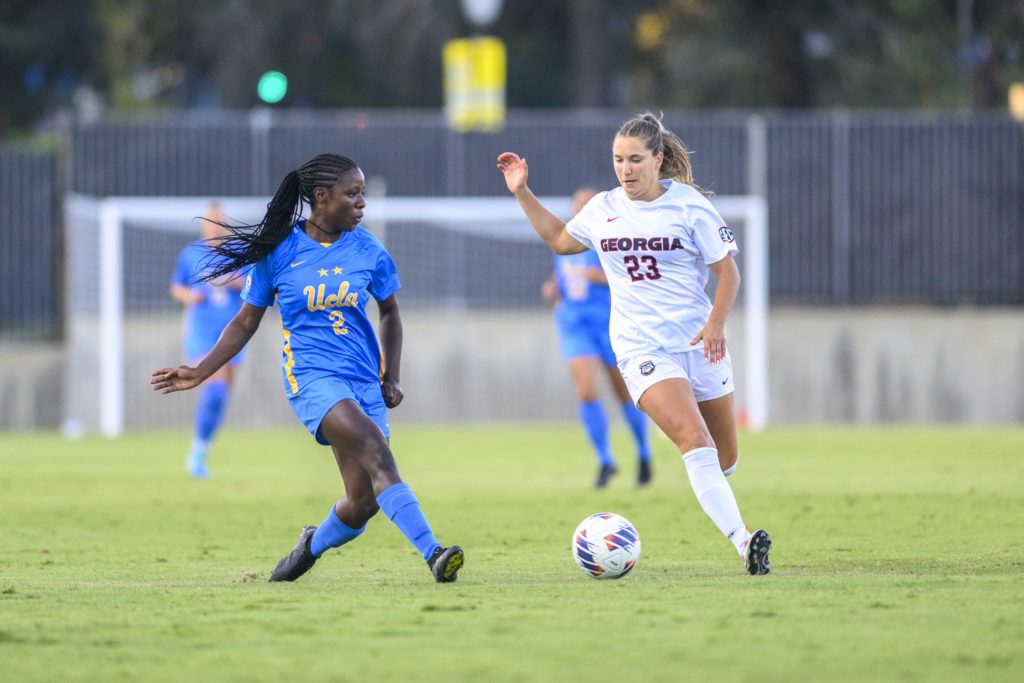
[
  {"x": 726, "y": 234},
  {"x": 646, "y": 368},
  {"x": 337, "y": 270},
  {"x": 323, "y": 272}
]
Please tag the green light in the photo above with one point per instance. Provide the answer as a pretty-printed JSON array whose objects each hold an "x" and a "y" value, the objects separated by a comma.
[{"x": 272, "y": 87}]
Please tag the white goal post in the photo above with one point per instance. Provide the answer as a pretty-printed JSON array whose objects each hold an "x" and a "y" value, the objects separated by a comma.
[{"x": 95, "y": 279}]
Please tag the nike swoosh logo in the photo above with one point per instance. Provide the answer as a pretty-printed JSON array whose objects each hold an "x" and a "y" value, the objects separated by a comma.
[
  {"x": 724, "y": 381},
  {"x": 613, "y": 219},
  {"x": 297, "y": 264}
]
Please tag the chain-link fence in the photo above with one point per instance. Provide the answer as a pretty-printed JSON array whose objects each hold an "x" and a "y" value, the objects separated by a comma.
[{"x": 867, "y": 207}]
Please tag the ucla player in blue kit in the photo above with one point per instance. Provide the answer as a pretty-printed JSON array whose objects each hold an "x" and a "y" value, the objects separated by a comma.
[
  {"x": 209, "y": 307},
  {"x": 580, "y": 288},
  {"x": 320, "y": 271}
]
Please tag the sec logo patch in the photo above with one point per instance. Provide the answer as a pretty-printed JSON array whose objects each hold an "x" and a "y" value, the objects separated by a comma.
[{"x": 726, "y": 234}]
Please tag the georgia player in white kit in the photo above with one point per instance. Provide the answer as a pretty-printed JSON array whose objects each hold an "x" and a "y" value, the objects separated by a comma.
[{"x": 657, "y": 238}]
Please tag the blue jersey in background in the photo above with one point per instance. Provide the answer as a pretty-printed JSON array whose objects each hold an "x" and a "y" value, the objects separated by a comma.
[
  {"x": 204, "y": 321},
  {"x": 321, "y": 293},
  {"x": 584, "y": 308},
  {"x": 580, "y": 298}
]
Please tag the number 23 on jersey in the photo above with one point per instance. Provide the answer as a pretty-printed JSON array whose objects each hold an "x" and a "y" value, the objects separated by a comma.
[{"x": 645, "y": 267}]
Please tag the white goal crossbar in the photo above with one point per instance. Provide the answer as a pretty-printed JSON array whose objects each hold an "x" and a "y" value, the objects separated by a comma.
[{"x": 112, "y": 213}]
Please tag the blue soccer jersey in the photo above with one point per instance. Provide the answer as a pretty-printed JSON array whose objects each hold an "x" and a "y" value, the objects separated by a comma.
[
  {"x": 321, "y": 292},
  {"x": 584, "y": 310},
  {"x": 580, "y": 298},
  {"x": 204, "y": 321}
]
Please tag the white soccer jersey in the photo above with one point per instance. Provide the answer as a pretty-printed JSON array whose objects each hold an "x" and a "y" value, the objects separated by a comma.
[{"x": 655, "y": 255}]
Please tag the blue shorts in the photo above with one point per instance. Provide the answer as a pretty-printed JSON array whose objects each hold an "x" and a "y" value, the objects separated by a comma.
[
  {"x": 581, "y": 338},
  {"x": 319, "y": 396}
]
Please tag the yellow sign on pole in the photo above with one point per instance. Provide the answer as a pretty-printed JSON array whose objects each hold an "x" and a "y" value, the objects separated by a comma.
[
  {"x": 474, "y": 83},
  {"x": 1016, "y": 101}
]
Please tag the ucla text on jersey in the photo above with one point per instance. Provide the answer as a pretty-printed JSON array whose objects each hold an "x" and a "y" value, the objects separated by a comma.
[{"x": 321, "y": 291}]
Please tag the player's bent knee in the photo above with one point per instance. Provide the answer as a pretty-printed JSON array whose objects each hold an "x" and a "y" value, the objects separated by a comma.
[
  {"x": 729, "y": 461},
  {"x": 374, "y": 452},
  {"x": 587, "y": 391},
  {"x": 366, "y": 507},
  {"x": 378, "y": 461},
  {"x": 687, "y": 440}
]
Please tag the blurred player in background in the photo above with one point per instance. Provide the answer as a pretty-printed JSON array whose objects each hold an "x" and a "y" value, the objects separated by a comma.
[
  {"x": 582, "y": 309},
  {"x": 209, "y": 307},
  {"x": 340, "y": 382},
  {"x": 658, "y": 237}
]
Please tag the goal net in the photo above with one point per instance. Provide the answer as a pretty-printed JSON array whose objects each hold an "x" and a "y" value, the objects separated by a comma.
[{"x": 480, "y": 344}]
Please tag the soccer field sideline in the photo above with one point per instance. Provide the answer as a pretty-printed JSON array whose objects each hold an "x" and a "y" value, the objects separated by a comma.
[{"x": 895, "y": 559}]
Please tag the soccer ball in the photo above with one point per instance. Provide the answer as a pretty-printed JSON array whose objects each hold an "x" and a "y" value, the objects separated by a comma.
[{"x": 606, "y": 545}]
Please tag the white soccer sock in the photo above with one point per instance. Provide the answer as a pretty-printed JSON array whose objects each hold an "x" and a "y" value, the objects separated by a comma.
[{"x": 714, "y": 494}]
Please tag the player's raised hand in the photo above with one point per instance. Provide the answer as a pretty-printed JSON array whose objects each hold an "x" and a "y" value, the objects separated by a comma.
[
  {"x": 515, "y": 170},
  {"x": 168, "y": 380}
]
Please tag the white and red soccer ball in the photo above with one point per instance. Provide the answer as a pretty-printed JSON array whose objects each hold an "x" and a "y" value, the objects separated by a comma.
[{"x": 606, "y": 545}]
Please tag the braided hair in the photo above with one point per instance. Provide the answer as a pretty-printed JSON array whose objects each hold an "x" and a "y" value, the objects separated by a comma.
[
  {"x": 657, "y": 138},
  {"x": 248, "y": 244}
]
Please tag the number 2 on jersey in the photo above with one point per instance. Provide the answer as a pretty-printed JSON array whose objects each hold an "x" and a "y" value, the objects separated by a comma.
[
  {"x": 633, "y": 266},
  {"x": 339, "y": 322}
]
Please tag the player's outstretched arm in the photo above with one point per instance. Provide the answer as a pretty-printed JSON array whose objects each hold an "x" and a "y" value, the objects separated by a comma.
[
  {"x": 550, "y": 227},
  {"x": 237, "y": 333}
]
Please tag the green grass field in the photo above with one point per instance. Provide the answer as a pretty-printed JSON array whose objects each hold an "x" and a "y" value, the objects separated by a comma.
[{"x": 898, "y": 557}]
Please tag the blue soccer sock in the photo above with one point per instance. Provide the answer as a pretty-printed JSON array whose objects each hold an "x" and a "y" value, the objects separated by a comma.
[
  {"x": 400, "y": 505},
  {"x": 596, "y": 425},
  {"x": 210, "y": 410},
  {"x": 637, "y": 422},
  {"x": 332, "y": 533}
]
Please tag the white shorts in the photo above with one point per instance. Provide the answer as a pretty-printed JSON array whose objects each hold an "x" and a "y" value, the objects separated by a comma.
[{"x": 643, "y": 370}]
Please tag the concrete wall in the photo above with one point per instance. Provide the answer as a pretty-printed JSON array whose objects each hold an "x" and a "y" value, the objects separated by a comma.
[
  {"x": 881, "y": 365},
  {"x": 30, "y": 385},
  {"x": 897, "y": 365}
]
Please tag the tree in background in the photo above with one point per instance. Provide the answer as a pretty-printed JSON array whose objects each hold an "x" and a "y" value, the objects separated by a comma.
[
  {"x": 153, "y": 55},
  {"x": 47, "y": 49},
  {"x": 850, "y": 53}
]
